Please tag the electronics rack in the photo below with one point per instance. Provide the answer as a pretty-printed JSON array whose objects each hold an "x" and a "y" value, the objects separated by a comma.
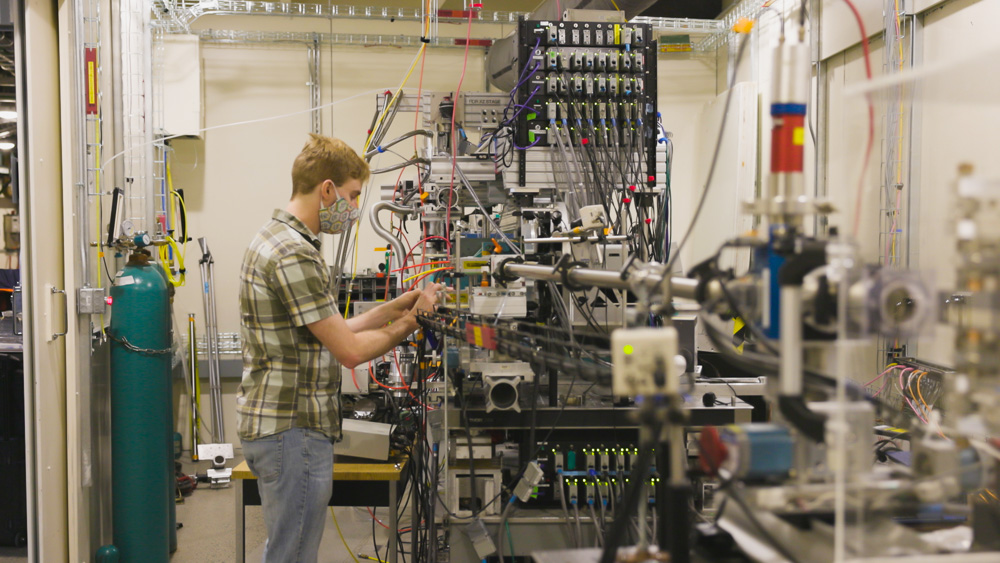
[{"x": 604, "y": 72}]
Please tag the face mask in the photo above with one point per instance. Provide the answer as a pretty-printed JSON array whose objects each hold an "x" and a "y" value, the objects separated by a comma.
[{"x": 338, "y": 217}]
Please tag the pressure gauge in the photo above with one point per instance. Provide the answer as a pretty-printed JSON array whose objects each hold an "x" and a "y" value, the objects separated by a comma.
[
  {"x": 128, "y": 229},
  {"x": 143, "y": 240}
]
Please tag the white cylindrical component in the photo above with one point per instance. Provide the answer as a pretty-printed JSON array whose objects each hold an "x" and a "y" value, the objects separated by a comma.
[
  {"x": 791, "y": 74},
  {"x": 791, "y": 341}
]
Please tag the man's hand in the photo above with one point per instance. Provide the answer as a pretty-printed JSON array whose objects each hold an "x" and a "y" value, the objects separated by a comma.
[
  {"x": 427, "y": 299},
  {"x": 402, "y": 304}
]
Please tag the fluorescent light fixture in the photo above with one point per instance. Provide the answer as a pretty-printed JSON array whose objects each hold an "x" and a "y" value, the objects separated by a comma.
[
  {"x": 8, "y": 115},
  {"x": 6, "y": 146}
]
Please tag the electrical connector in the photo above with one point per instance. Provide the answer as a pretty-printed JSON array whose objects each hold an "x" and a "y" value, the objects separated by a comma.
[
  {"x": 482, "y": 540},
  {"x": 532, "y": 476}
]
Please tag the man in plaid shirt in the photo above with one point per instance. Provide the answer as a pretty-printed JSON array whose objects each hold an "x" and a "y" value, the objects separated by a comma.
[{"x": 288, "y": 403}]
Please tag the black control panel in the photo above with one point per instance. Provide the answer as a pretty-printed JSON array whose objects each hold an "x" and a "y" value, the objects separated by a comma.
[{"x": 593, "y": 83}]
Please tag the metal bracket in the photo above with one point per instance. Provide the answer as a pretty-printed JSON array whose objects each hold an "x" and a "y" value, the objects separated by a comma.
[{"x": 55, "y": 291}]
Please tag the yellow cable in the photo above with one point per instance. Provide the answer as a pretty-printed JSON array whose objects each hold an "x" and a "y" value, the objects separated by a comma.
[
  {"x": 177, "y": 281},
  {"x": 395, "y": 98},
  {"x": 426, "y": 272},
  {"x": 176, "y": 195},
  {"x": 184, "y": 212},
  {"x": 613, "y": 3},
  {"x": 385, "y": 111},
  {"x": 341, "y": 534},
  {"x": 920, "y": 395}
]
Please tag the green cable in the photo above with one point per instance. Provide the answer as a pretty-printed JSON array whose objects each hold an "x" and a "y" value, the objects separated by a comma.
[{"x": 510, "y": 540}]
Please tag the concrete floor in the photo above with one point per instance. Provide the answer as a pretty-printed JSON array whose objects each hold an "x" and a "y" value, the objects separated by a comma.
[{"x": 208, "y": 534}]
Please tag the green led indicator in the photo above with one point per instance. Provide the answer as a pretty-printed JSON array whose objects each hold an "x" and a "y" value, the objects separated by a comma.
[{"x": 628, "y": 349}]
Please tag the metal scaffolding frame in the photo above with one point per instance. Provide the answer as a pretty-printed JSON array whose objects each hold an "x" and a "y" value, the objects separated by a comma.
[
  {"x": 178, "y": 17},
  {"x": 239, "y": 37}
]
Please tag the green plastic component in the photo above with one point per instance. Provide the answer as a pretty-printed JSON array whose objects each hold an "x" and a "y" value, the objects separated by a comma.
[
  {"x": 141, "y": 415},
  {"x": 571, "y": 461},
  {"x": 531, "y": 136},
  {"x": 532, "y": 115}
]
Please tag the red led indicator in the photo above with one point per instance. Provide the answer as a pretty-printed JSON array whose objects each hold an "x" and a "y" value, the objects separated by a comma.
[
  {"x": 108, "y": 300},
  {"x": 631, "y": 188},
  {"x": 652, "y": 178},
  {"x": 626, "y": 200}
]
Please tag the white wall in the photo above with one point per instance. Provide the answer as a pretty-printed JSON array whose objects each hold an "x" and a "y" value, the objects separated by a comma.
[
  {"x": 959, "y": 118},
  {"x": 235, "y": 177}
]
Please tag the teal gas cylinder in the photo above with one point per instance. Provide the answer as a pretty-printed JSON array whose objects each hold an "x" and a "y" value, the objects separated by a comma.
[
  {"x": 141, "y": 405},
  {"x": 171, "y": 476}
]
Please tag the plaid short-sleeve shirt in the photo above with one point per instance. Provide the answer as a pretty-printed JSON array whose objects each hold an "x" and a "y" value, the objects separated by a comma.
[{"x": 290, "y": 380}]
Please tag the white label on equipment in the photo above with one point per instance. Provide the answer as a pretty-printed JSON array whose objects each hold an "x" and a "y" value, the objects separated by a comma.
[{"x": 125, "y": 280}]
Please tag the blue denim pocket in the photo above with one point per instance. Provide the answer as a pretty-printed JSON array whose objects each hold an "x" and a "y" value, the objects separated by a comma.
[{"x": 264, "y": 456}]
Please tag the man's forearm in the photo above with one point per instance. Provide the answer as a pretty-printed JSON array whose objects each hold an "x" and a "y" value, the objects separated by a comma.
[
  {"x": 370, "y": 344},
  {"x": 374, "y": 318}
]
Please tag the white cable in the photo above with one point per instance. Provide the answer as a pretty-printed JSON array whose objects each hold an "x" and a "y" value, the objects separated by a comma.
[
  {"x": 597, "y": 526},
  {"x": 247, "y": 122},
  {"x": 579, "y": 529},
  {"x": 562, "y": 500}
]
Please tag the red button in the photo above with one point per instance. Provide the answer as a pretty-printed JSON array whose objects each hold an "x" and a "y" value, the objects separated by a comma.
[{"x": 108, "y": 300}]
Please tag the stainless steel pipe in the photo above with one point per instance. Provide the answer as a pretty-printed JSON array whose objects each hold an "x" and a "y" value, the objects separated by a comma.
[
  {"x": 398, "y": 250},
  {"x": 684, "y": 288}
]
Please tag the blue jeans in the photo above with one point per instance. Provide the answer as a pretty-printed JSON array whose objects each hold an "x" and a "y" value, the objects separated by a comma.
[{"x": 294, "y": 471}]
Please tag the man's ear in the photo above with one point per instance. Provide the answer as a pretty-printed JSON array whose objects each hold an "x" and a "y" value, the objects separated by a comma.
[{"x": 326, "y": 190}]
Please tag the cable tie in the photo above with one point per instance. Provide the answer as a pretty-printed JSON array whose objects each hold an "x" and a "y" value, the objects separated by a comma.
[{"x": 424, "y": 40}]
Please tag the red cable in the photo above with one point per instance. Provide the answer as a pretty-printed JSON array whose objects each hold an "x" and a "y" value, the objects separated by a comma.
[
  {"x": 395, "y": 190},
  {"x": 454, "y": 141},
  {"x": 871, "y": 117},
  {"x": 383, "y": 385},
  {"x": 379, "y": 522},
  {"x": 395, "y": 354},
  {"x": 425, "y": 274},
  {"x": 416, "y": 122},
  {"x": 421, "y": 265},
  {"x": 355, "y": 380},
  {"x": 425, "y": 239}
]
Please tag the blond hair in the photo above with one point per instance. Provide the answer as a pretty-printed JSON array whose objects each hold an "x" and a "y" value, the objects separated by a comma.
[{"x": 326, "y": 158}]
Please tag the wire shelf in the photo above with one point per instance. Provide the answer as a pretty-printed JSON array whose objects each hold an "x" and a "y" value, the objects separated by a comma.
[{"x": 185, "y": 13}]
